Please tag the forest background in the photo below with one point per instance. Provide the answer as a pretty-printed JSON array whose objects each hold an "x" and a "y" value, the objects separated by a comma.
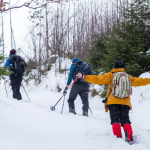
[{"x": 98, "y": 32}]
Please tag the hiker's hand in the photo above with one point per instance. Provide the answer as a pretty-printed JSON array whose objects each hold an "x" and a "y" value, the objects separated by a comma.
[
  {"x": 65, "y": 90},
  {"x": 79, "y": 75}
]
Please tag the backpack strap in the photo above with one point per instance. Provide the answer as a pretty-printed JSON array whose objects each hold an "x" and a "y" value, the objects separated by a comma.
[{"x": 108, "y": 94}]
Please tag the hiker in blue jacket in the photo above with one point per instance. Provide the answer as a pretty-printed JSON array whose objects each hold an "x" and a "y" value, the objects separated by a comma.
[
  {"x": 80, "y": 87},
  {"x": 16, "y": 65}
]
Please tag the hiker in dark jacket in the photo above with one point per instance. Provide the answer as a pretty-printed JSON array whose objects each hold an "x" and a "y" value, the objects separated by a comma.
[
  {"x": 80, "y": 87},
  {"x": 15, "y": 78}
]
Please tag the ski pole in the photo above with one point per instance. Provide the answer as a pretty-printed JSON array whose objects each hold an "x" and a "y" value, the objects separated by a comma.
[
  {"x": 5, "y": 88},
  {"x": 26, "y": 92},
  {"x": 53, "y": 107},
  {"x": 90, "y": 110},
  {"x": 63, "y": 104},
  {"x": 73, "y": 82},
  {"x": 65, "y": 94}
]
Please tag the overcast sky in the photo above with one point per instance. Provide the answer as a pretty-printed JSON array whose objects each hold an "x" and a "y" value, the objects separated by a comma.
[{"x": 20, "y": 25}]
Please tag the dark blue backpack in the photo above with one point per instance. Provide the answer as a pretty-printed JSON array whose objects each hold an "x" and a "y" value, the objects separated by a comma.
[
  {"x": 82, "y": 67},
  {"x": 17, "y": 64}
]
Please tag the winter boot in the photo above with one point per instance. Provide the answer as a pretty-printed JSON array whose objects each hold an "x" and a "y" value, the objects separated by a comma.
[
  {"x": 85, "y": 113},
  {"x": 117, "y": 130},
  {"x": 128, "y": 133},
  {"x": 19, "y": 97},
  {"x": 15, "y": 94},
  {"x": 72, "y": 110}
]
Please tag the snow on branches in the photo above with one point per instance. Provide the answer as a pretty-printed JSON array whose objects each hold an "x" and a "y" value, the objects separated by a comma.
[{"x": 4, "y": 6}]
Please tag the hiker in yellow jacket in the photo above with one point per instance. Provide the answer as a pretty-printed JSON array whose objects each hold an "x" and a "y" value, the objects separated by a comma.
[{"x": 118, "y": 107}]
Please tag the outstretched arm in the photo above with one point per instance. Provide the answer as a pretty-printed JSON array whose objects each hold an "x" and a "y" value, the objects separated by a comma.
[
  {"x": 139, "y": 81},
  {"x": 97, "y": 79}
]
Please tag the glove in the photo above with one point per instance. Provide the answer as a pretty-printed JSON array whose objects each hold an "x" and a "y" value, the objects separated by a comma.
[
  {"x": 104, "y": 100},
  {"x": 65, "y": 90}
]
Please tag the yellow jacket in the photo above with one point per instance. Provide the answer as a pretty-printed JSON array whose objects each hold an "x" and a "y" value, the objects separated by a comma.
[{"x": 108, "y": 79}]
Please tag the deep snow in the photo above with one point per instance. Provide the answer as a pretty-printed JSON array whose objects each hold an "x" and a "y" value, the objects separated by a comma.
[{"x": 32, "y": 125}]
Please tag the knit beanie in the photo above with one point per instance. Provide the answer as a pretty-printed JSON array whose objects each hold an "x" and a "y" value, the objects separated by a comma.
[
  {"x": 119, "y": 64},
  {"x": 13, "y": 51}
]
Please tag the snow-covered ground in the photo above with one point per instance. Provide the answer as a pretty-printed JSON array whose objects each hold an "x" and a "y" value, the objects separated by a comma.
[{"x": 32, "y": 125}]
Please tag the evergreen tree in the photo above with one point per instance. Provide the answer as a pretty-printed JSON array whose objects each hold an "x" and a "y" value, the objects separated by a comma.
[
  {"x": 3, "y": 71},
  {"x": 130, "y": 40},
  {"x": 97, "y": 52}
]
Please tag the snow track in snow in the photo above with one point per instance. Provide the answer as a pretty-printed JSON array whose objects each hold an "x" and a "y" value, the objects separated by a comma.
[{"x": 33, "y": 126}]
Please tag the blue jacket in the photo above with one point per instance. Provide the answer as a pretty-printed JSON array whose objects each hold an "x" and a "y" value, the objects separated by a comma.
[
  {"x": 71, "y": 69},
  {"x": 7, "y": 64}
]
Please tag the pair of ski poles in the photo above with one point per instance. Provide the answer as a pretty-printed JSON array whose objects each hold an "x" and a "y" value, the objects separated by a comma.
[
  {"x": 53, "y": 107},
  {"x": 21, "y": 85}
]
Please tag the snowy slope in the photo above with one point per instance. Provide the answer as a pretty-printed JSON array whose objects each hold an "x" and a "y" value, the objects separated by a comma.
[{"x": 32, "y": 125}]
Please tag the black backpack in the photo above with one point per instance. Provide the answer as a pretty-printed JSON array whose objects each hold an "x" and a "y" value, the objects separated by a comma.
[
  {"x": 17, "y": 64},
  {"x": 82, "y": 67}
]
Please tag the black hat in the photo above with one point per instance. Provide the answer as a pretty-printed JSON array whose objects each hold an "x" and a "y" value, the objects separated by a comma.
[
  {"x": 13, "y": 51},
  {"x": 119, "y": 64}
]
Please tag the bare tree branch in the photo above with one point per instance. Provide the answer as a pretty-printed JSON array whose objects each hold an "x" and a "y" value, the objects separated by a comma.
[{"x": 26, "y": 4}]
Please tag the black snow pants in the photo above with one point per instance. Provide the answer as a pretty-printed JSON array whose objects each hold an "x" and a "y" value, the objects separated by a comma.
[
  {"x": 16, "y": 80},
  {"x": 81, "y": 88},
  {"x": 119, "y": 114}
]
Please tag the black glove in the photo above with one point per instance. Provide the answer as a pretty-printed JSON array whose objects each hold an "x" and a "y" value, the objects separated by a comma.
[{"x": 65, "y": 90}]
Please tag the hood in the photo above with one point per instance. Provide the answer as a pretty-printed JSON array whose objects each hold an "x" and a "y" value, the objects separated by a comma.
[
  {"x": 118, "y": 70},
  {"x": 75, "y": 59}
]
